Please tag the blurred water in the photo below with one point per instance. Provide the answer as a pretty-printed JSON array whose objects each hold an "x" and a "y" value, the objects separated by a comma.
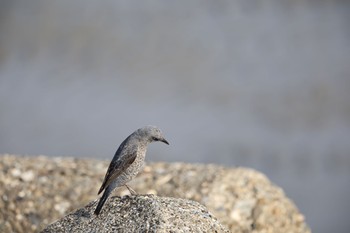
[{"x": 241, "y": 83}]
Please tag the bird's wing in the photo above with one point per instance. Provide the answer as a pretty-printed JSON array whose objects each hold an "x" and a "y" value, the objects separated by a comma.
[{"x": 118, "y": 166}]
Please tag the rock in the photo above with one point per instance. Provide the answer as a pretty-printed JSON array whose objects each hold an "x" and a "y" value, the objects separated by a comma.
[
  {"x": 242, "y": 199},
  {"x": 38, "y": 190},
  {"x": 141, "y": 213}
]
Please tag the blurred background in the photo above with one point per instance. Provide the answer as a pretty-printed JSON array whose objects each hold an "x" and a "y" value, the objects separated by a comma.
[{"x": 262, "y": 84}]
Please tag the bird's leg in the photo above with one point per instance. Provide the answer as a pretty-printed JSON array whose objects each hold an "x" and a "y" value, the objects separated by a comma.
[{"x": 133, "y": 192}]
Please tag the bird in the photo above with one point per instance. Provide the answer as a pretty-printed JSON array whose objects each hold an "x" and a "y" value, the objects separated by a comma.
[{"x": 128, "y": 161}]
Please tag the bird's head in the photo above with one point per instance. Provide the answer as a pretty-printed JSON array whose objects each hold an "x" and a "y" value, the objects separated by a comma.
[{"x": 152, "y": 133}]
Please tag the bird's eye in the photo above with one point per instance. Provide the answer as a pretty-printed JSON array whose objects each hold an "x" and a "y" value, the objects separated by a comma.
[{"x": 155, "y": 139}]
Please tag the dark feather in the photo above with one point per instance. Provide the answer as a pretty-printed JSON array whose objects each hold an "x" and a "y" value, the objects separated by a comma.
[{"x": 119, "y": 164}]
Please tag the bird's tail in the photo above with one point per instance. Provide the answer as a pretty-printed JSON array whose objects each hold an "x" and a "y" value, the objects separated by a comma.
[{"x": 102, "y": 201}]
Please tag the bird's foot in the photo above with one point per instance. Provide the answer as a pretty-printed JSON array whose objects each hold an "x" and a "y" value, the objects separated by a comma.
[{"x": 132, "y": 192}]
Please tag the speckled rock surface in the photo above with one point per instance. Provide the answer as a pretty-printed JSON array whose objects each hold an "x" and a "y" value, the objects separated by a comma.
[
  {"x": 141, "y": 213},
  {"x": 241, "y": 198},
  {"x": 36, "y": 191}
]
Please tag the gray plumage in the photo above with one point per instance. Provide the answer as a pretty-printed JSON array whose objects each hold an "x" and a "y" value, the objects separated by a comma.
[{"x": 128, "y": 161}]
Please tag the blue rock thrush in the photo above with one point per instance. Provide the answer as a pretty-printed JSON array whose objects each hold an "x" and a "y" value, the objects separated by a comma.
[{"x": 128, "y": 161}]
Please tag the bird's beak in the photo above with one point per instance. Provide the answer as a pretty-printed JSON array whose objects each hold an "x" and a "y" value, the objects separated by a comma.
[{"x": 165, "y": 141}]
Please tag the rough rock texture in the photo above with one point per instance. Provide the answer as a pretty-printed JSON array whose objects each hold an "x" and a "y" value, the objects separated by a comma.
[
  {"x": 243, "y": 199},
  {"x": 35, "y": 191},
  {"x": 142, "y": 213},
  {"x": 38, "y": 190}
]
